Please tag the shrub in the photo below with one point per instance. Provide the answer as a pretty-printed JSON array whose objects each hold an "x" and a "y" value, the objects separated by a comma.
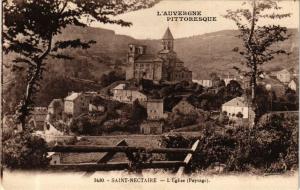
[
  {"x": 25, "y": 151},
  {"x": 272, "y": 147}
]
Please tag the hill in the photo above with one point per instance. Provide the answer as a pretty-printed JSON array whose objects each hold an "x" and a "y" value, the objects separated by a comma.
[{"x": 202, "y": 54}]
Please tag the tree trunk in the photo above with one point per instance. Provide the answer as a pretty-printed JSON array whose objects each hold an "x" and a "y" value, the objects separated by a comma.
[
  {"x": 253, "y": 79},
  {"x": 28, "y": 100},
  {"x": 253, "y": 60},
  {"x": 24, "y": 110}
]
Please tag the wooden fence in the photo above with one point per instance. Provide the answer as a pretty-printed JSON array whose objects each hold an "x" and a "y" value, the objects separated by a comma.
[{"x": 132, "y": 153}]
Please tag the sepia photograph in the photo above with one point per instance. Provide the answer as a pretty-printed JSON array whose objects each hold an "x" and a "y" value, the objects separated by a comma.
[{"x": 143, "y": 94}]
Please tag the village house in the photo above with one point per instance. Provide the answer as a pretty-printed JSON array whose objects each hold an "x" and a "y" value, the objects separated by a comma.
[
  {"x": 228, "y": 78},
  {"x": 236, "y": 106},
  {"x": 155, "y": 109},
  {"x": 204, "y": 82},
  {"x": 128, "y": 95},
  {"x": 38, "y": 117},
  {"x": 96, "y": 108},
  {"x": 165, "y": 66},
  {"x": 76, "y": 104},
  {"x": 184, "y": 107},
  {"x": 151, "y": 127},
  {"x": 293, "y": 85},
  {"x": 283, "y": 76},
  {"x": 50, "y": 131}
]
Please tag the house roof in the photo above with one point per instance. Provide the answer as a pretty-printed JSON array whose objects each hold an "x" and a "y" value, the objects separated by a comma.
[
  {"x": 55, "y": 101},
  {"x": 272, "y": 81},
  {"x": 200, "y": 80},
  {"x": 284, "y": 71},
  {"x": 295, "y": 81},
  {"x": 238, "y": 102},
  {"x": 164, "y": 51},
  {"x": 40, "y": 110},
  {"x": 184, "y": 101},
  {"x": 120, "y": 86},
  {"x": 168, "y": 35},
  {"x": 155, "y": 100},
  {"x": 178, "y": 60},
  {"x": 152, "y": 123},
  {"x": 73, "y": 96}
]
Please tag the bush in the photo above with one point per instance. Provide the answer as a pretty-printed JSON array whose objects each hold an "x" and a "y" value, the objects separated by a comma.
[
  {"x": 25, "y": 151},
  {"x": 272, "y": 147}
]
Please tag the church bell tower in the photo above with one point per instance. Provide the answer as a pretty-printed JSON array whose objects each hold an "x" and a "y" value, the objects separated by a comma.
[{"x": 168, "y": 40}]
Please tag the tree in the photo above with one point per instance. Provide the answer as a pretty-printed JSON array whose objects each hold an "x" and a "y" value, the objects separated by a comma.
[
  {"x": 258, "y": 40},
  {"x": 30, "y": 28},
  {"x": 24, "y": 151},
  {"x": 234, "y": 89},
  {"x": 112, "y": 76},
  {"x": 139, "y": 113}
]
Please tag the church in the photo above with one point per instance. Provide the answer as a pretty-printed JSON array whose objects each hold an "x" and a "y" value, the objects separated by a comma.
[{"x": 164, "y": 66}]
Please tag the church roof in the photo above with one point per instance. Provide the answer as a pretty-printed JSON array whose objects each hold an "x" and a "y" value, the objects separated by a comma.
[
  {"x": 168, "y": 35},
  {"x": 147, "y": 58},
  {"x": 178, "y": 60}
]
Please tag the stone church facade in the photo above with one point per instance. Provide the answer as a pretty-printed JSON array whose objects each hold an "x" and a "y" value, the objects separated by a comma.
[{"x": 164, "y": 66}]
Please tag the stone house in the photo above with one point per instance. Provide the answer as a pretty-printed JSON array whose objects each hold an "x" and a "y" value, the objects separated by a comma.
[
  {"x": 293, "y": 85},
  {"x": 38, "y": 118},
  {"x": 228, "y": 78},
  {"x": 204, "y": 82},
  {"x": 155, "y": 109},
  {"x": 184, "y": 107},
  {"x": 96, "y": 108},
  {"x": 283, "y": 76},
  {"x": 151, "y": 127},
  {"x": 76, "y": 104},
  {"x": 235, "y": 106},
  {"x": 128, "y": 95},
  {"x": 51, "y": 130}
]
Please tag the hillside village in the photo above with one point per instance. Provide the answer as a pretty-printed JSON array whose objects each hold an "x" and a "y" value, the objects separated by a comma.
[{"x": 159, "y": 95}]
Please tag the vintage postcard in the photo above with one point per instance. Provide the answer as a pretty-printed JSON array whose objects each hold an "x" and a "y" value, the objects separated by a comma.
[{"x": 144, "y": 94}]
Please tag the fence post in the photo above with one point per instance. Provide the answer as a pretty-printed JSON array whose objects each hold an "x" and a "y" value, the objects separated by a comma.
[{"x": 187, "y": 159}]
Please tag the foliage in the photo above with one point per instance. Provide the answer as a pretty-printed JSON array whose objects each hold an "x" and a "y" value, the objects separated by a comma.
[
  {"x": 31, "y": 26},
  {"x": 258, "y": 40},
  {"x": 178, "y": 120},
  {"x": 25, "y": 151},
  {"x": 233, "y": 89},
  {"x": 139, "y": 113},
  {"x": 270, "y": 147},
  {"x": 81, "y": 125},
  {"x": 112, "y": 76}
]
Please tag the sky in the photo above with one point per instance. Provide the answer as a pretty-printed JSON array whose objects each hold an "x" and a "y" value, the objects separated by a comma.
[{"x": 147, "y": 25}]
